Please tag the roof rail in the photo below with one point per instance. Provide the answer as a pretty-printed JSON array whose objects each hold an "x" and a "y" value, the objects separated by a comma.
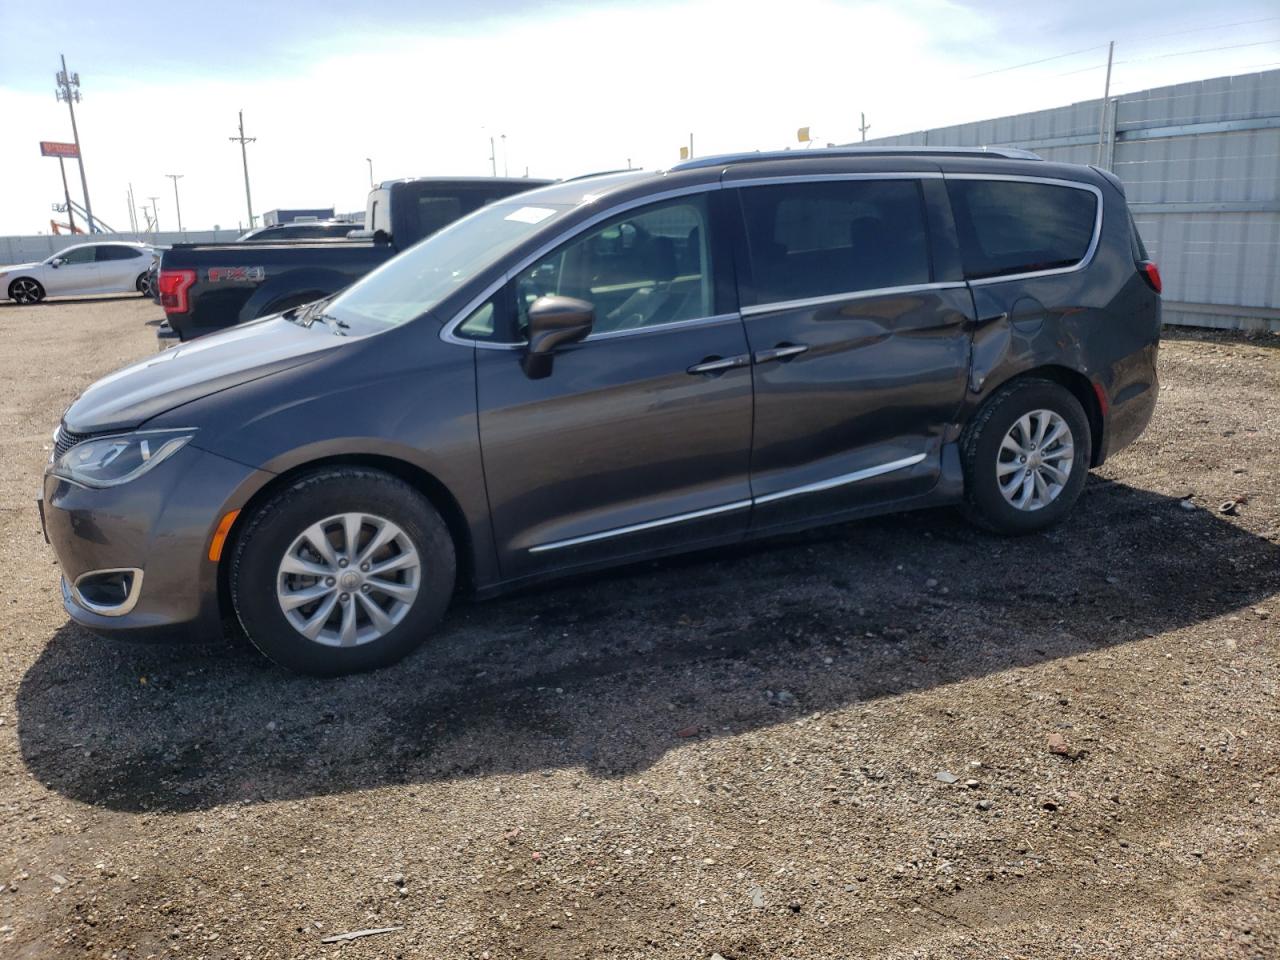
[{"x": 1005, "y": 153}]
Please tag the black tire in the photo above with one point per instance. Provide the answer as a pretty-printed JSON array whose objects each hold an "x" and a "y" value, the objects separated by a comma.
[
  {"x": 26, "y": 290},
  {"x": 142, "y": 286},
  {"x": 273, "y": 527},
  {"x": 980, "y": 445}
]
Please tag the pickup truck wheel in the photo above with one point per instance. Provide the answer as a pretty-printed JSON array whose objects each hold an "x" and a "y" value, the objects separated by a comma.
[
  {"x": 345, "y": 569},
  {"x": 1025, "y": 456},
  {"x": 26, "y": 290}
]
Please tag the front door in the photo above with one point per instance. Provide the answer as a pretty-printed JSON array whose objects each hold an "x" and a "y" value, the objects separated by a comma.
[
  {"x": 639, "y": 438},
  {"x": 76, "y": 273},
  {"x": 860, "y": 350}
]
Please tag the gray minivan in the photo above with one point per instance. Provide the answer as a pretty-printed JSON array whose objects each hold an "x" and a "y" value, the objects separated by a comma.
[{"x": 611, "y": 369}]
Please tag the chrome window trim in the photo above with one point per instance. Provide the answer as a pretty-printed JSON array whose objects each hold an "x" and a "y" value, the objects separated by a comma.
[
  {"x": 652, "y": 328},
  {"x": 636, "y": 527},
  {"x": 101, "y": 609},
  {"x": 828, "y": 484},
  {"x": 850, "y": 295},
  {"x": 1054, "y": 182},
  {"x": 447, "y": 332}
]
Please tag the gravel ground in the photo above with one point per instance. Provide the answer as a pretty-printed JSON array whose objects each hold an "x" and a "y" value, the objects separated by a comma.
[{"x": 894, "y": 738}]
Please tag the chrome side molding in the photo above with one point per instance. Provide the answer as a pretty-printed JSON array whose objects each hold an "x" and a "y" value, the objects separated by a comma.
[{"x": 840, "y": 481}]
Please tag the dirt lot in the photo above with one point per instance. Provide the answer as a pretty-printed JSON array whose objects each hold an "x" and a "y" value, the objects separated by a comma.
[{"x": 749, "y": 752}]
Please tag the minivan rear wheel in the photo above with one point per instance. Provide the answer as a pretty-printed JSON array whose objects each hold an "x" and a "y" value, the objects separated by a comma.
[
  {"x": 345, "y": 569},
  {"x": 1026, "y": 457}
]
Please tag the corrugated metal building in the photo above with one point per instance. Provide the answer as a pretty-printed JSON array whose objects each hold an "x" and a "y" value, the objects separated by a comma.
[{"x": 1200, "y": 163}]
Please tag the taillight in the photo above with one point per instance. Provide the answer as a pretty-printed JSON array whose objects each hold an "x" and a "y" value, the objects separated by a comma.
[
  {"x": 173, "y": 285},
  {"x": 1151, "y": 273}
]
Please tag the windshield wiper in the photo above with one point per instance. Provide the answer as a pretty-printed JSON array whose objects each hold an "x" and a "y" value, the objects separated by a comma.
[{"x": 312, "y": 312}]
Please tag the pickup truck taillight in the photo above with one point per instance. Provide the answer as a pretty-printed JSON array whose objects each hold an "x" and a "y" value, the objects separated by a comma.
[{"x": 174, "y": 285}]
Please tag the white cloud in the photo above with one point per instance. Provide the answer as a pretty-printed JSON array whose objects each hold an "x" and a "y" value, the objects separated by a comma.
[{"x": 574, "y": 90}]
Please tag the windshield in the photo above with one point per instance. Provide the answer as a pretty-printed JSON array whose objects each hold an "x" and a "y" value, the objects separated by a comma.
[{"x": 409, "y": 285}]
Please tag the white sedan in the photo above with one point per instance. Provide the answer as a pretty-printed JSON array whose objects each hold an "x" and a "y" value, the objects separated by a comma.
[{"x": 116, "y": 266}]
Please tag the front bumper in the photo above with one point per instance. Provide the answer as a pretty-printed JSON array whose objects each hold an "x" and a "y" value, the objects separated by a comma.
[{"x": 159, "y": 527}]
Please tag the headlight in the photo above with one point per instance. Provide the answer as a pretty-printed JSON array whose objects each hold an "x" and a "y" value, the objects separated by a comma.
[{"x": 111, "y": 461}]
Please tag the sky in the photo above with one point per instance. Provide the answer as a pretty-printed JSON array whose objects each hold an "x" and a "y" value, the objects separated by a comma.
[{"x": 420, "y": 87}]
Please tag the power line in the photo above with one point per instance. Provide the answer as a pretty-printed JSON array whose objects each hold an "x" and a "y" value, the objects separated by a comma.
[
  {"x": 1176, "y": 53},
  {"x": 1102, "y": 46},
  {"x": 1032, "y": 63}
]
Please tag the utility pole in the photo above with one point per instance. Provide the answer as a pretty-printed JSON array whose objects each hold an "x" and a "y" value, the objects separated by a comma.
[
  {"x": 155, "y": 213},
  {"x": 691, "y": 146},
  {"x": 1106, "y": 94},
  {"x": 133, "y": 210},
  {"x": 244, "y": 157},
  {"x": 864, "y": 128},
  {"x": 493, "y": 159},
  {"x": 369, "y": 161},
  {"x": 66, "y": 193},
  {"x": 65, "y": 91},
  {"x": 505, "y": 171},
  {"x": 175, "y": 177}
]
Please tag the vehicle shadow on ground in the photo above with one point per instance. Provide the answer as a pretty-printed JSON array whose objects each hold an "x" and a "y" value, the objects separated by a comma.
[
  {"x": 67, "y": 301},
  {"x": 608, "y": 673}
]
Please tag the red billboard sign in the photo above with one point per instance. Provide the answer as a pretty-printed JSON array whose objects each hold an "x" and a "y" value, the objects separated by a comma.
[{"x": 50, "y": 148}]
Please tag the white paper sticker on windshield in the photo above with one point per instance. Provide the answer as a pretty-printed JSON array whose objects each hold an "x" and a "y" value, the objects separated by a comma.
[{"x": 530, "y": 214}]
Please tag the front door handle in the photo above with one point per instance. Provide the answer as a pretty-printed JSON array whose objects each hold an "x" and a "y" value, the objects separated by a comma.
[
  {"x": 783, "y": 351},
  {"x": 719, "y": 364}
]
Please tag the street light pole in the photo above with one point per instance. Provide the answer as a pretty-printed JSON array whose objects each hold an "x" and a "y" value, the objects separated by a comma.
[
  {"x": 155, "y": 213},
  {"x": 65, "y": 92},
  {"x": 244, "y": 156},
  {"x": 175, "y": 177},
  {"x": 369, "y": 160}
]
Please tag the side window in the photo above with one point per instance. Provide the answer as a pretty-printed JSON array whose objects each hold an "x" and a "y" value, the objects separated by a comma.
[
  {"x": 478, "y": 326},
  {"x": 437, "y": 212},
  {"x": 82, "y": 255},
  {"x": 646, "y": 267},
  {"x": 839, "y": 236},
  {"x": 1015, "y": 227},
  {"x": 112, "y": 252}
]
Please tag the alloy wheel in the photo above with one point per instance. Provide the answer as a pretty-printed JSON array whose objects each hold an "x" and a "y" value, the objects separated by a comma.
[
  {"x": 348, "y": 580},
  {"x": 1035, "y": 460},
  {"x": 25, "y": 291}
]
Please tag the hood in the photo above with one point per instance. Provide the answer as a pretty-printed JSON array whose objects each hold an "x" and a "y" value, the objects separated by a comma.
[
  {"x": 14, "y": 268},
  {"x": 135, "y": 394}
]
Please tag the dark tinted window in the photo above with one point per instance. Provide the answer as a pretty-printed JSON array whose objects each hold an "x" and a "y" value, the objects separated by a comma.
[
  {"x": 114, "y": 252},
  {"x": 1011, "y": 227},
  {"x": 817, "y": 239},
  {"x": 437, "y": 212},
  {"x": 646, "y": 267},
  {"x": 78, "y": 255}
]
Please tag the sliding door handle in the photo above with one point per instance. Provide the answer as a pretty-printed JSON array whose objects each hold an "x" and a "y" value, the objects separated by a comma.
[
  {"x": 782, "y": 352},
  {"x": 719, "y": 364}
]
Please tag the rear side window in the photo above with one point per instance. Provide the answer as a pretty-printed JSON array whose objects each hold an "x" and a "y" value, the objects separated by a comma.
[
  {"x": 112, "y": 252},
  {"x": 1009, "y": 227},
  {"x": 436, "y": 212},
  {"x": 842, "y": 236}
]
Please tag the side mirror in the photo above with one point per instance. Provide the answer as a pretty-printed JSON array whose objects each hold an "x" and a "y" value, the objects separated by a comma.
[
  {"x": 56, "y": 262},
  {"x": 553, "y": 322}
]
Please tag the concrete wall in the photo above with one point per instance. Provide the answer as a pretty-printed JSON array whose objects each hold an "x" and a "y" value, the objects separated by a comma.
[
  {"x": 1201, "y": 166},
  {"x": 26, "y": 249}
]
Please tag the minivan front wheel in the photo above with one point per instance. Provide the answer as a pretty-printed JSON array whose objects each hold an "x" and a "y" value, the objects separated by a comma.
[
  {"x": 345, "y": 569},
  {"x": 1026, "y": 457}
]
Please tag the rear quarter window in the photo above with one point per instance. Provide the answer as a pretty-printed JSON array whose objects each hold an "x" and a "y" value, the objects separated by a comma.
[{"x": 1008, "y": 227}]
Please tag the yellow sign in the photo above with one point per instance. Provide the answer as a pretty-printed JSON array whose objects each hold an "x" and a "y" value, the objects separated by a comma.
[
  {"x": 803, "y": 135},
  {"x": 684, "y": 153}
]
